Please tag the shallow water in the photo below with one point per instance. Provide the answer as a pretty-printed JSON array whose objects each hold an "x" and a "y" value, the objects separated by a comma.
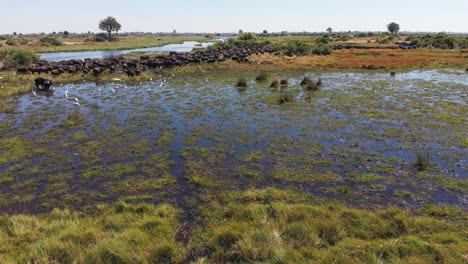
[
  {"x": 187, "y": 46},
  {"x": 214, "y": 137}
]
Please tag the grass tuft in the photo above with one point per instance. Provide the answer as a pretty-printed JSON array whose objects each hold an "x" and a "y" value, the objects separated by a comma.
[{"x": 263, "y": 76}]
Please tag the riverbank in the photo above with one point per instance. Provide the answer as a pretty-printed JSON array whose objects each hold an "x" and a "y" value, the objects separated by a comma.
[{"x": 124, "y": 42}]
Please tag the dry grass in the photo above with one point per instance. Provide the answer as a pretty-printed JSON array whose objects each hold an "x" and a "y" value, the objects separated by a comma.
[{"x": 357, "y": 59}]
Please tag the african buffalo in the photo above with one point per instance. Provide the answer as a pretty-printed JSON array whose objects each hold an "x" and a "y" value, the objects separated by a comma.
[{"x": 42, "y": 83}]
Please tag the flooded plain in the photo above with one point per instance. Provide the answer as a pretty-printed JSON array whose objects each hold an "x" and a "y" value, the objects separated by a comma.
[{"x": 365, "y": 138}]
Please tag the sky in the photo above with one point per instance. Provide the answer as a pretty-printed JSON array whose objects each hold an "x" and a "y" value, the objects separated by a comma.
[{"x": 35, "y": 16}]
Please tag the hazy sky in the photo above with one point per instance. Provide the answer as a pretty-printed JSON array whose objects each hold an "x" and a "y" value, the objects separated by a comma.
[{"x": 34, "y": 16}]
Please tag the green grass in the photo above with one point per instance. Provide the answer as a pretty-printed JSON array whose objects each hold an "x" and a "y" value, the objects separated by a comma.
[
  {"x": 253, "y": 226},
  {"x": 122, "y": 233},
  {"x": 366, "y": 177},
  {"x": 124, "y": 42},
  {"x": 270, "y": 226}
]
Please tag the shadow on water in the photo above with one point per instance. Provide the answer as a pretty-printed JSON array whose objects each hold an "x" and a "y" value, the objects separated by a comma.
[{"x": 354, "y": 140}]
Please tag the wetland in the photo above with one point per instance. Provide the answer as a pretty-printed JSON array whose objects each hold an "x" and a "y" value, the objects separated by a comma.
[{"x": 367, "y": 138}]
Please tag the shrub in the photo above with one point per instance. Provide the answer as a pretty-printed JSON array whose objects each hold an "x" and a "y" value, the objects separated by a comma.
[
  {"x": 263, "y": 76},
  {"x": 296, "y": 48},
  {"x": 16, "y": 58},
  {"x": 10, "y": 42},
  {"x": 47, "y": 41},
  {"x": 101, "y": 37},
  {"x": 422, "y": 160},
  {"x": 322, "y": 39},
  {"x": 442, "y": 41},
  {"x": 285, "y": 97},
  {"x": 242, "y": 82},
  {"x": 24, "y": 41},
  {"x": 346, "y": 37},
  {"x": 247, "y": 37},
  {"x": 322, "y": 49},
  {"x": 463, "y": 44},
  {"x": 439, "y": 41},
  {"x": 275, "y": 83},
  {"x": 308, "y": 82}
]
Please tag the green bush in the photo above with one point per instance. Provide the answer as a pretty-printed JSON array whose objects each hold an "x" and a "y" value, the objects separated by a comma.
[
  {"x": 263, "y": 76},
  {"x": 296, "y": 48},
  {"x": 10, "y": 42},
  {"x": 241, "y": 84},
  {"x": 346, "y": 37},
  {"x": 247, "y": 37},
  {"x": 17, "y": 57},
  {"x": 442, "y": 41},
  {"x": 48, "y": 41},
  {"x": 438, "y": 41},
  {"x": 322, "y": 49},
  {"x": 323, "y": 39},
  {"x": 463, "y": 44},
  {"x": 102, "y": 37}
]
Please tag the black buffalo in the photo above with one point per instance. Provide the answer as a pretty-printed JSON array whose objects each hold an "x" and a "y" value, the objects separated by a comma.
[{"x": 42, "y": 83}]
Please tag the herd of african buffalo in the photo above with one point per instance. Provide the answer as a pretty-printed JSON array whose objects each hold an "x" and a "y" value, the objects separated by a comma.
[{"x": 134, "y": 67}]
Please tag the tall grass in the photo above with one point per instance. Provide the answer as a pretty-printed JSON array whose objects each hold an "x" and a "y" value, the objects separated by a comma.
[
  {"x": 272, "y": 226},
  {"x": 103, "y": 234}
]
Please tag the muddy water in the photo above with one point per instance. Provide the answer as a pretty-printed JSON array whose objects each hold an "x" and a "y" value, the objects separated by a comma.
[{"x": 172, "y": 140}]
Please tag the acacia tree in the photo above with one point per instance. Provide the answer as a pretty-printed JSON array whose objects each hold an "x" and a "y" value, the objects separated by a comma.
[
  {"x": 109, "y": 24},
  {"x": 329, "y": 30},
  {"x": 393, "y": 28}
]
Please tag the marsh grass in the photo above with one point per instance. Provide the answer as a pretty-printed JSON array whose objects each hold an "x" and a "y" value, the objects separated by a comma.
[
  {"x": 241, "y": 84},
  {"x": 273, "y": 226},
  {"x": 73, "y": 118},
  {"x": 422, "y": 160},
  {"x": 275, "y": 83},
  {"x": 285, "y": 97},
  {"x": 262, "y": 77},
  {"x": 122, "y": 233}
]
